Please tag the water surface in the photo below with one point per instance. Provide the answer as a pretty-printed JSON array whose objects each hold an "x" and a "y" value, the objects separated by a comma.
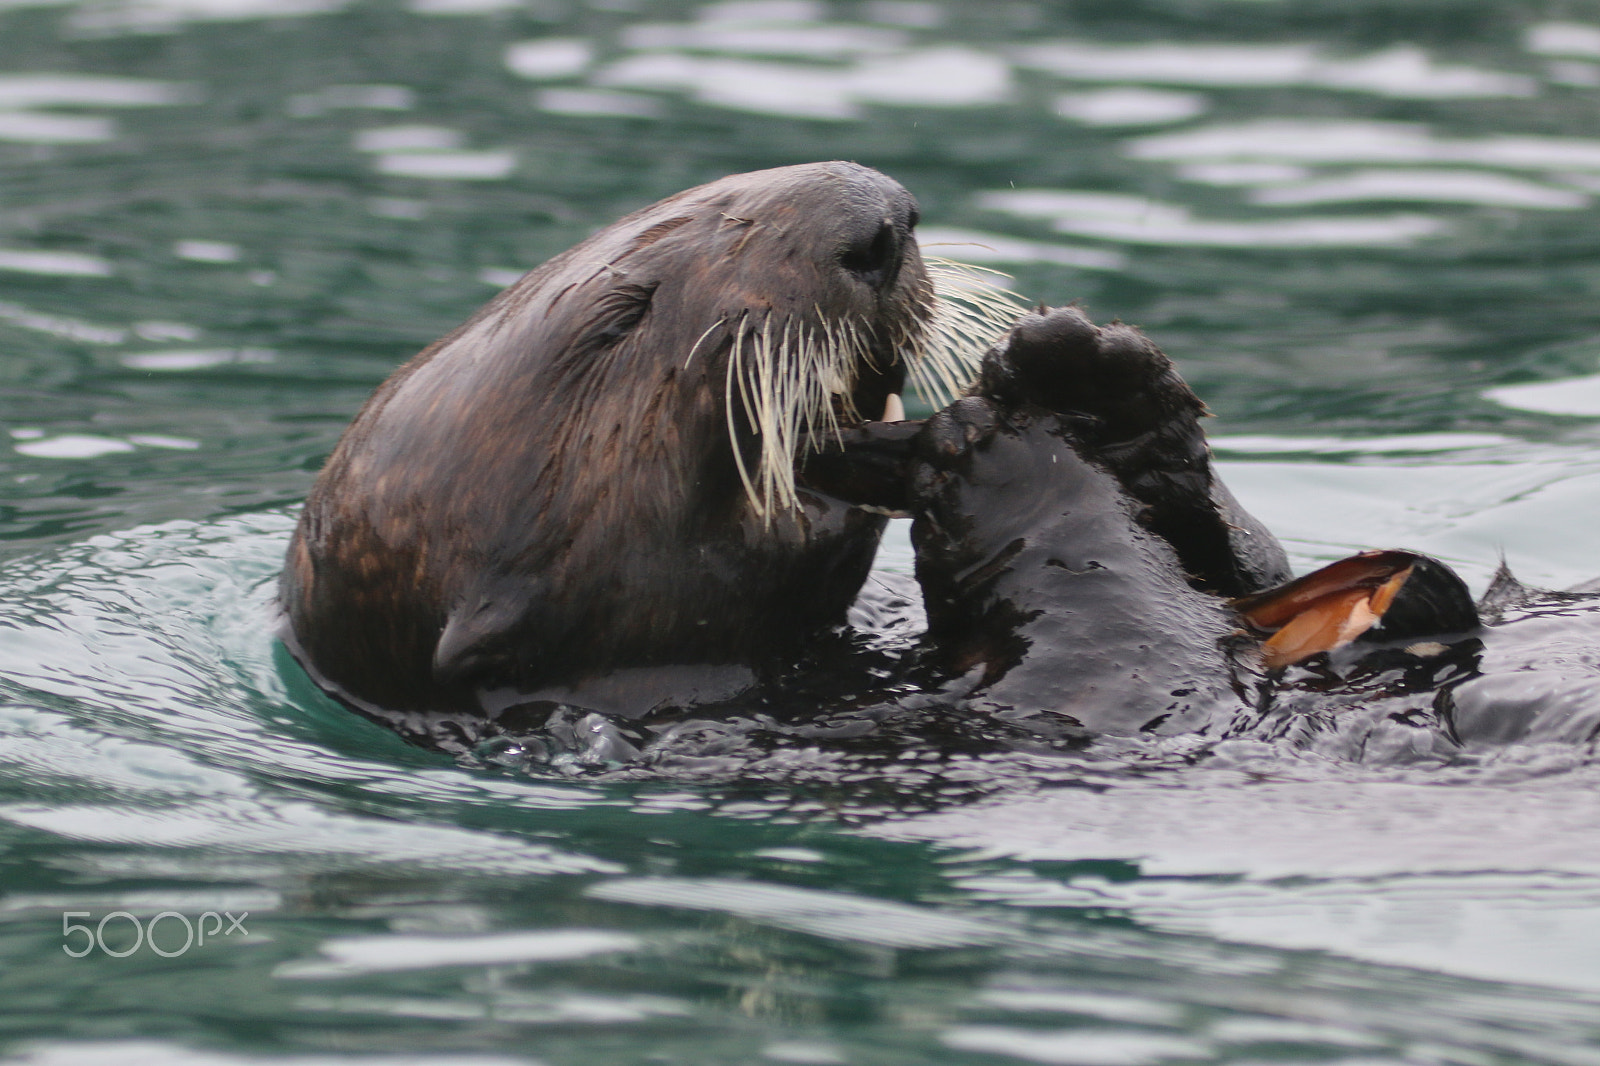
[{"x": 1369, "y": 234}]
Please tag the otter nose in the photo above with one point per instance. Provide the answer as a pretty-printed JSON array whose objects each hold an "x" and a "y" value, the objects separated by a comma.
[{"x": 875, "y": 254}]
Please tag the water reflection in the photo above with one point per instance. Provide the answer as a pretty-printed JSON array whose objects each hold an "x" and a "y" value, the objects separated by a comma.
[
  {"x": 118, "y": 17},
  {"x": 1401, "y": 71},
  {"x": 359, "y": 97},
  {"x": 1422, "y": 186},
  {"x": 1137, "y": 220},
  {"x": 33, "y": 128},
  {"x": 55, "y": 264},
  {"x": 1573, "y": 396},
  {"x": 384, "y": 954},
  {"x": 1130, "y": 106},
  {"x": 227, "y": 220},
  {"x": 1383, "y": 891},
  {"x": 68, "y": 90},
  {"x": 549, "y": 57},
  {"x": 431, "y": 152},
  {"x": 61, "y": 326},
  {"x": 1563, "y": 39},
  {"x": 1343, "y": 141},
  {"x": 799, "y": 39},
  {"x": 976, "y": 246},
  {"x": 597, "y": 102},
  {"x": 946, "y": 77}
]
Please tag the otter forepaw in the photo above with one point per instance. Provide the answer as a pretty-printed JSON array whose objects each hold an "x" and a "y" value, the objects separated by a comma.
[
  {"x": 1128, "y": 409},
  {"x": 1114, "y": 376},
  {"x": 946, "y": 445}
]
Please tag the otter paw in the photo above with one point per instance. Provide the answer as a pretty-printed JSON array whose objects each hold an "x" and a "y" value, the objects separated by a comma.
[
  {"x": 943, "y": 450},
  {"x": 1114, "y": 376},
  {"x": 1125, "y": 406}
]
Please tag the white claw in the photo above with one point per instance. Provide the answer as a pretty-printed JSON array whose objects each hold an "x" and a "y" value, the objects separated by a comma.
[{"x": 893, "y": 409}]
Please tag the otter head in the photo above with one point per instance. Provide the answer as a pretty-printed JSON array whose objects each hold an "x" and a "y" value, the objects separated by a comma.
[{"x": 796, "y": 298}]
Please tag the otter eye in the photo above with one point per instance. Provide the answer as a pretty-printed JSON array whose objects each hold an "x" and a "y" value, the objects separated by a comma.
[
  {"x": 916, "y": 216},
  {"x": 877, "y": 260}
]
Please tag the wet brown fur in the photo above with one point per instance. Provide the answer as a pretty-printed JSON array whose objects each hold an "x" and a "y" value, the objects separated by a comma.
[{"x": 549, "y": 493}]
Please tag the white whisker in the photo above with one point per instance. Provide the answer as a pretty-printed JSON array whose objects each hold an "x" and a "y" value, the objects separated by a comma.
[
  {"x": 795, "y": 380},
  {"x": 970, "y": 313},
  {"x": 695, "y": 347}
]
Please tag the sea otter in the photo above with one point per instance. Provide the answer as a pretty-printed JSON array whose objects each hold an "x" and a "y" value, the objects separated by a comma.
[
  {"x": 654, "y": 471},
  {"x": 586, "y": 493}
]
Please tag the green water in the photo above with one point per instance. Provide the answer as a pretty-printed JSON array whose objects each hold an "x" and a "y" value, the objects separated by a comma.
[{"x": 1368, "y": 234}]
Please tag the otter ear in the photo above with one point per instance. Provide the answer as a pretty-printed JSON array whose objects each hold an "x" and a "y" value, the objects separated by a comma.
[{"x": 472, "y": 636}]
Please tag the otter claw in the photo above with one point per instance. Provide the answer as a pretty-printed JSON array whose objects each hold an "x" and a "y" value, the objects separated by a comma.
[{"x": 952, "y": 432}]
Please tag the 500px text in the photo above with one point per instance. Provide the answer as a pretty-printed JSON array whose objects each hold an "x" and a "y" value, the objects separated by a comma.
[{"x": 172, "y": 924}]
